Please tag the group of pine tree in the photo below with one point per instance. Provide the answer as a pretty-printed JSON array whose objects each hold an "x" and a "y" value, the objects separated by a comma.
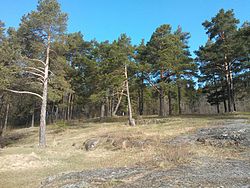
[{"x": 49, "y": 75}]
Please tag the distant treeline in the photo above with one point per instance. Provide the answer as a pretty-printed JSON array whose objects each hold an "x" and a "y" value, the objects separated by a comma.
[{"x": 49, "y": 74}]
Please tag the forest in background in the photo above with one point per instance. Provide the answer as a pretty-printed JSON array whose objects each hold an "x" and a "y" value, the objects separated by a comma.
[{"x": 50, "y": 75}]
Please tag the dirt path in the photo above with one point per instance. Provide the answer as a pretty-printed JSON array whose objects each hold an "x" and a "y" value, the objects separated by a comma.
[{"x": 202, "y": 171}]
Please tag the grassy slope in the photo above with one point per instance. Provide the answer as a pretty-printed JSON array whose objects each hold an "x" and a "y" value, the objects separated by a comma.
[{"x": 23, "y": 164}]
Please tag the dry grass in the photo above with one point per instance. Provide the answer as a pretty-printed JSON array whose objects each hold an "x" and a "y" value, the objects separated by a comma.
[{"x": 24, "y": 164}]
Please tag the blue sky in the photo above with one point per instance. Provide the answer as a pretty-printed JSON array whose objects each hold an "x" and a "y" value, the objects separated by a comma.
[{"x": 107, "y": 19}]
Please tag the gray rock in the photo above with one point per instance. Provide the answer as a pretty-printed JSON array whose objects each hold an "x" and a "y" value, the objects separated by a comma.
[{"x": 91, "y": 144}]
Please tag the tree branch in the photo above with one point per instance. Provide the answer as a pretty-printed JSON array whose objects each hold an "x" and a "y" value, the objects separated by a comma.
[
  {"x": 36, "y": 69},
  {"x": 53, "y": 51},
  {"x": 149, "y": 81},
  {"x": 25, "y": 92},
  {"x": 41, "y": 80},
  {"x": 36, "y": 74},
  {"x": 37, "y": 60}
]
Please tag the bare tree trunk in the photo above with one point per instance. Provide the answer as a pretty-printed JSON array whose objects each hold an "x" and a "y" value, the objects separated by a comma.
[
  {"x": 169, "y": 103},
  {"x": 228, "y": 83},
  {"x": 118, "y": 103},
  {"x": 42, "y": 130},
  {"x": 141, "y": 102},
  {"x": 33, "y": 117},
  {"x": 225, "y": 106},
  {"x": 56, "y": 113},
  {"x": 107, "y": 104},
  {"x": 68, "y": 106},
  {"x": 52, "y": 113},
  {"x": 179, "y": 99},
  {"x": 141, "y": 97},
  {"x": 6, "y": 120},
  {"x": 218, "y": 107},
  {"x": 72, "y": 106},
  {"x": 102, "y": 110},
  {"x": 112, "y": 106},
  {"x": 232, "y": 91},
  {"x": 130, "y": 116},
  {"x": 161, "y": 113}
]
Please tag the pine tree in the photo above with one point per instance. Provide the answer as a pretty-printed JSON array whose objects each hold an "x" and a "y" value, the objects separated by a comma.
[
  {"x": 38, "y": 30},
  {"x": 223, "y": 59},
  {"x": 221, "y": 29},
  {"x": 164, "y": 50}
]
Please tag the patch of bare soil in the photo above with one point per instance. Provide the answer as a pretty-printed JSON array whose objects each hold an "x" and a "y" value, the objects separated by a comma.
[{"x": 202, "y": 171}]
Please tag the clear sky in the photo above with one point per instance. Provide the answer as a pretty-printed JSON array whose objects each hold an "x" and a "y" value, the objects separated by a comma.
[{"x": 107, "y": 19}]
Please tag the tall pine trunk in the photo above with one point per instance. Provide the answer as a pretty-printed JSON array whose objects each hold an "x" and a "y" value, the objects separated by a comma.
[
  {"x": 141, "y": 101},
  {"x": 42, "y": 130},
  {"x": 33, "y": 117},
  {"x": 225, "y": 106},
  {"x": 161, "y": 113},
  {"x": 72, "y": 106},
  {"x": 108, "y": 110},
  {"x": 227, "y": 67},
  {"x": 170, "y": 102},
  {"x": 69, "y": 103},
  {"x": 56, "y": 113},
  {"x": 130, "y": 116},
  {"x": 179, "y": 98},
  {"x": 102, "y": 110},
  {"x": 6, "y": 120},
  {"x": 232, "y": 91},
  {"x": 218, "y": 107},
  {"x": 141, "y": 97}
]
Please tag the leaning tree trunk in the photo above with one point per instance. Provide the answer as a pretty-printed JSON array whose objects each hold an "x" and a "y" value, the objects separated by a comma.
[
  {"x": 130, "y": 117},
  {"x": 118, "y": 103},
  {"x": 42, "y": 130}
]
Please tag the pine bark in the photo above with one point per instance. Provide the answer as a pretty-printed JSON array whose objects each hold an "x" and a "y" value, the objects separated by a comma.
[
  {"x": 118, "y": 103},
  {"x": 225, "y": 106},
  {"x": 33, "y": 117},
  {"x": 71, "y": 106},
  {"x": 102, "y": 110},
  {"x": 228, "y": 84},
  {"x": 68, "y": 106},
  {"x": 218, "y": 107},
  {"x": 170, "y": 102},
  {"x": 42, "y": 130},
  {"x": 161, "y": 113},
  {"x": 6, "y": 120},
  {"x": 130, "y": 116},
  {"x": 179, "y": 99}
]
